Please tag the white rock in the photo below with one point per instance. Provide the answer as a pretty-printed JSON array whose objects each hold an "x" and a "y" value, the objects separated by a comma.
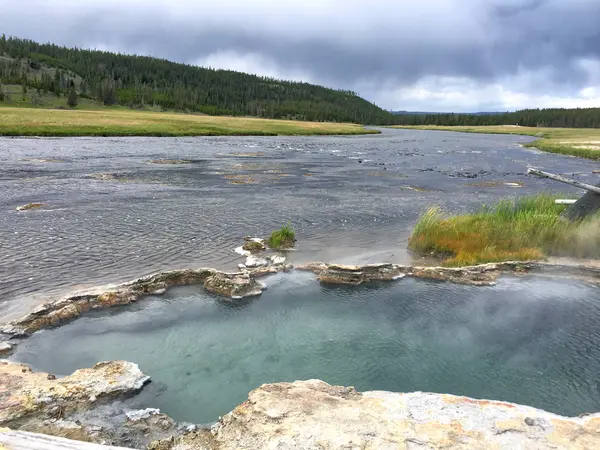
[
  {"x": 276, "y": 259},
  {"x": 5, "y": 347},
  {"x": 142, "y": 414},
  {"x": 253, "y": 261},
  {"x": 240, "y": 250}
]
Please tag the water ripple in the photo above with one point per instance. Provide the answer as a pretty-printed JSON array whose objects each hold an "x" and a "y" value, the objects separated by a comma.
[{"x": 144, "y": 217}]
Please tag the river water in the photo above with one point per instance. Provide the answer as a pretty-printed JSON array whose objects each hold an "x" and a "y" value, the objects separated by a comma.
[
  {"x": 531, "y": 341},
  {"x": 111, "y": 215}
]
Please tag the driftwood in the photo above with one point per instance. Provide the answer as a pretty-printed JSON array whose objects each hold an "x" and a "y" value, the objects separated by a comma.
[
  {"x": 562, "y": 179},
  {"x": 585, "y": 206},
  {"x": 564, "y": 201},
  {"x": 21, "y": 440}
]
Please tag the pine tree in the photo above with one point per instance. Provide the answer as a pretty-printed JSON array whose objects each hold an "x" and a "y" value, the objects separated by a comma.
[
  {"x": 108, "y": 93},
  {"x": 72, "y": 98}
]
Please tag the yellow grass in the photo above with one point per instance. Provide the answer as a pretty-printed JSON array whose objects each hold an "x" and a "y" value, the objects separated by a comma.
[
  {"x": 527, "y": 229},
  {"x": 584, "y": 142},
  {"x": 121, "y": 122}
]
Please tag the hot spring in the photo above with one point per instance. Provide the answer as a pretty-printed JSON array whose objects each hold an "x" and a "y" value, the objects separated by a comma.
[{"x": 533, "y": 341}]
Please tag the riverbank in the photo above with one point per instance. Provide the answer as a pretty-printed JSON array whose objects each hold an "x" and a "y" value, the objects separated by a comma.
[
  {"x": 582, "y": 142},
  {"x": 123, "y": 122},
  {"x": 530, "y": 228}
]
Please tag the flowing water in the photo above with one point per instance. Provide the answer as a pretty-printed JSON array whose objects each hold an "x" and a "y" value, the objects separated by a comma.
[
  {"x": 528, "y": 340},
  {"x": 112, "y": 215}
]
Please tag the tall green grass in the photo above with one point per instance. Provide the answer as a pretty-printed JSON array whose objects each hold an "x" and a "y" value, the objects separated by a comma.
[
  {"x": 529, "y": 228},
  {"x": 565, "y": 149},
  {"x": 285, "y": 237}
]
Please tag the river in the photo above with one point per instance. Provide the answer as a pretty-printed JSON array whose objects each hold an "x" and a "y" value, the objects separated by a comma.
[{"x": 112, "y": 215}]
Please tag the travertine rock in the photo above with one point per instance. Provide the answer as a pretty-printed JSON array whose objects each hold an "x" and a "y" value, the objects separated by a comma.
[
  {"x": 481, "y": 275},
  {"x": 67, "y": 308},
  {"x": 313, "y": 415},
  {"x": 238, "y": 285},
  {"x": 25, "y": 394},
  {"x": 5, "y": 348}
]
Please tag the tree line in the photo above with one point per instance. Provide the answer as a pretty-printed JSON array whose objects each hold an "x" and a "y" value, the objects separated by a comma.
[{"x": 550, "y": 117}]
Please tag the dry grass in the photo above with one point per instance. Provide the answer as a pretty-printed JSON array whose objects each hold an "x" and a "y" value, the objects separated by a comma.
[
  {"x": 527, "y": 229},
  {"x": 122, "y": 122},
  {"x": 583, "y": 142}
]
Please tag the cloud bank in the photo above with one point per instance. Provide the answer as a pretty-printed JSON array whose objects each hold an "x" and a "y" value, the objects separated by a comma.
[{"x": 433, "y": 55}]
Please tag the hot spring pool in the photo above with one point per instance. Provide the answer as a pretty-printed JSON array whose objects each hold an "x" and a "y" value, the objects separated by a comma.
[{"x": 533, "y": 341}]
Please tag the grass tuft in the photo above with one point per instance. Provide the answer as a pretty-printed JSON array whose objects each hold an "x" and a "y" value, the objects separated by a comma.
[
  {"x": 529, "y": 228},
  {"x": 285, "y": 237}
]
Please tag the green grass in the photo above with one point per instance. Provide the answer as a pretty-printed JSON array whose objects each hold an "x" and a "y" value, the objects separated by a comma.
[
  {"x": 32, "y": 99},
  {"x": 285, "y": 237},
  {"x": 529, "y": 228},
  {"x": 16, "y": 121},
  {"x": 582, "y": 142}
]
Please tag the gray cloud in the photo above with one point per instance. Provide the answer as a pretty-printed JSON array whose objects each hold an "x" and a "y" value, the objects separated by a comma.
[{"x": 390, "y": 50}]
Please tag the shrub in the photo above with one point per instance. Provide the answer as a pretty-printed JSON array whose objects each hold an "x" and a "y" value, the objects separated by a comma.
[{"x": 282, "y": 238}]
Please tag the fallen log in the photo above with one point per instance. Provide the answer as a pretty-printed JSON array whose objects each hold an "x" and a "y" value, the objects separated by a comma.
[
  {"x": 562, "y": 179},
  {"x": 585, "y": 206}
]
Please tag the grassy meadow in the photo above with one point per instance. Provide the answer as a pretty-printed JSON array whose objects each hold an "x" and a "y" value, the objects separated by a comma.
[
  {"x": 583, "y": 142},
  {"x": 529, "y": 228},
  {"x": 19, "y": 121}
]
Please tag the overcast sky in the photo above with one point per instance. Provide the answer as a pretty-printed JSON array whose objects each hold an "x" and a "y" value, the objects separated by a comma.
[{"x": 425, "y": 55}]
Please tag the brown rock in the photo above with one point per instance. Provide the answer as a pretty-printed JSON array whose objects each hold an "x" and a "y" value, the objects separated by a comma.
[
  {"x": 236, "y": 285},
  {"x": 29, "y": 206}
]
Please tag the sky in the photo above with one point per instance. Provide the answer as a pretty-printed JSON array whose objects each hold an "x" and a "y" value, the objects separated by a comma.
[{"x": 413, "y": 55}]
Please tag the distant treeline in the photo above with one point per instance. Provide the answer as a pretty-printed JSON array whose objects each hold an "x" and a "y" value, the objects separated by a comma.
[
  {"x": 136, "y": 81},
  {"x": 552, "y": 117},
  {"x": 139, "y": 81}
]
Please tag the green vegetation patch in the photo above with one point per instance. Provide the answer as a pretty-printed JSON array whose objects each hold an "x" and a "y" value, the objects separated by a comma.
[
  {"x": 126, "y": 122},
  {"x": 530, "y": 228},
  {"x": 582, "y": 142},
  {"x": 285, "y": 237},
  {"x": 589, "y": 150}
]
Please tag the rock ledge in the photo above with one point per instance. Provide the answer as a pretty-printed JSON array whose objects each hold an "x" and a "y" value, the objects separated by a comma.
[{"x": 315, "y": 415}]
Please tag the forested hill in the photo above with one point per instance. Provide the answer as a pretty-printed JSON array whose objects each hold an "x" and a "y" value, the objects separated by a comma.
[
  {"x": 138, "y": 81},
  {"x": 143, "y": 82},
  {"x": 552, "y": 117}
]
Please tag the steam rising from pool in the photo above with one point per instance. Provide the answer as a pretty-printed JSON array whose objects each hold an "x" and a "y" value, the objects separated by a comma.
[{"x": 531, "y": 341}]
